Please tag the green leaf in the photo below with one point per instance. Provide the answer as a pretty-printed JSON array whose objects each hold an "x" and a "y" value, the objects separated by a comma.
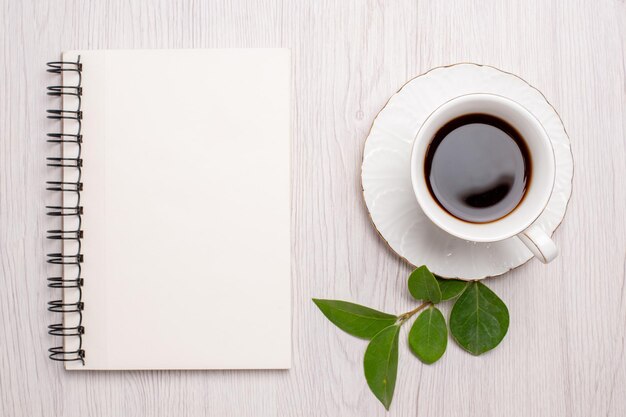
[
  {"x": 428, "y": 337},
  {"x": 381, "y": 364},
  {"x": 479, "y": 319},
  {"x": 424, "y": 286},
  {"x": 451, "y": 288},
  {"x": 355, "y": 319}
]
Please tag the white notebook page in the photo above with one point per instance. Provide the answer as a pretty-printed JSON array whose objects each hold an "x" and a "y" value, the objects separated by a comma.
[{"x": 186, "y": 209}]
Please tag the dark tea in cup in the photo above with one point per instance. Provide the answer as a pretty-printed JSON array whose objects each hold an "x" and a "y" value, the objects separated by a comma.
[{"x": 478, "y": 168}]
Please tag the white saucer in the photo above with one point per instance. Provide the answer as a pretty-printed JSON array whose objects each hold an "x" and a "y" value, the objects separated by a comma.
[{"x": 386, "y": 173}]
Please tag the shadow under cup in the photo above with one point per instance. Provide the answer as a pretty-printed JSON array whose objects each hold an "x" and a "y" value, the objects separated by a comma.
[{"x": 542, "y": 166}]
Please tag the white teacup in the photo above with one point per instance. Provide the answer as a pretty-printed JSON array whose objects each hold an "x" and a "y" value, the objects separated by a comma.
[{"x": 519, "y": 222}]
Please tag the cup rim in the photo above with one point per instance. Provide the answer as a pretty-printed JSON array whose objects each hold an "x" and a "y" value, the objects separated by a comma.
[{"x": 431, "y": 206}]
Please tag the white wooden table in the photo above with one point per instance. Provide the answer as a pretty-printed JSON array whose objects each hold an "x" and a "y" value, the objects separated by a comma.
[{"x": 565, "y": 353}]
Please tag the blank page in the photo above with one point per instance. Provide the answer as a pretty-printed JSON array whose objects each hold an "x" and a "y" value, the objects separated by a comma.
[{"x": 186, "y": 209}]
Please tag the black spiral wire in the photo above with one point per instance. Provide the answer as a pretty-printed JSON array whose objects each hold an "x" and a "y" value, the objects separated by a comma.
[{"x": 63, "y": 211}]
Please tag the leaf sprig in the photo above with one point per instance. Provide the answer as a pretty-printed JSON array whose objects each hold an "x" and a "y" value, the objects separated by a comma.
[{"x": 478, "y": 322}]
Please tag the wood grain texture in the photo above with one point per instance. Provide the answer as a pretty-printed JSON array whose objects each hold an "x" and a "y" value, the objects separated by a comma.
[{"x": 565, "y": 354}]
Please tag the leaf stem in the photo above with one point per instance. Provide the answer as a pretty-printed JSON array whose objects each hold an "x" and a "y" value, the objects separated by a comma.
[{"x": 404, "y": 317}]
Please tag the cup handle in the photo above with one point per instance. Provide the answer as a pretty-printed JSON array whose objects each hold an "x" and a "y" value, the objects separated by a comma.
[{"x": 539, "y": 244}]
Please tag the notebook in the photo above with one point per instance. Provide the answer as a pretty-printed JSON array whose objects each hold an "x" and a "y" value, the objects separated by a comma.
[{"x": 171, "y": 189}]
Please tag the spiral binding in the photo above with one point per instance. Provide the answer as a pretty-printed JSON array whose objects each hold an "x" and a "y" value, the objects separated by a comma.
[{"x": 67, "y": 118}]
